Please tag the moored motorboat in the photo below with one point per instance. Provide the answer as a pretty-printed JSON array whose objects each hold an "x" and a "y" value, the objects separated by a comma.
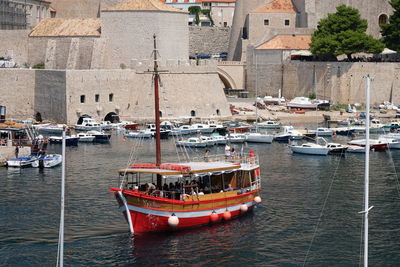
[
  {"x": 355, "y": 149},
  {"x": 193, "y": 142},
  {"x": 335, "y": 148},
  {"x": 138, "y": 134},
  {"x": 269, "y": 125},
  {"x": 48, "y": 161},
  {"x": 21, "y": 162},
  {"x": 321, "y": 132},
  {"x": 85, "y": 137},
  {"x": 320, "y": 147},
  {"x": 259, "y": 138},
  {"x": 377, "y": 145},
  {"x": 88, "y": 124},
  {"x": 69, "y": 140},
  {"x": 236, "y": 138},
  {"x": 100, "y": 136}
]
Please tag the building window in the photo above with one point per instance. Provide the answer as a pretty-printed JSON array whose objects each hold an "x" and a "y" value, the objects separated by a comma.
[
  {"x": 287, "y": 22},
  {"x": 160, "y": 114},
  {"x": 266, "y": 21},
  {"x": 82, "y": 98},
  {"x": 383, "y": 19},
  {"x": 193, "y": 113},
  {"x": 111, "y": 97},
  {"x": 96, "y": 98},
  {"x": 218, "y": 112}
]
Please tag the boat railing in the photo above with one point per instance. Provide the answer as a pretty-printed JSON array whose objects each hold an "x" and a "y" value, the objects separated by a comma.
[{"x": 242, "y": 158}]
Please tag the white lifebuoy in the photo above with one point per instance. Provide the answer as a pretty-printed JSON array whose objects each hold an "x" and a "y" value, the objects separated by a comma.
[
  {"x": 243, "y": 208},
  {"x": 257, "y": 199}
]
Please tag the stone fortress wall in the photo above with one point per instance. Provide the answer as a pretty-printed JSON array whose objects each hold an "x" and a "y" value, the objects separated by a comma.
[
  {"x": 57, "y": 94},
  {"x": 208, "y": 40}
]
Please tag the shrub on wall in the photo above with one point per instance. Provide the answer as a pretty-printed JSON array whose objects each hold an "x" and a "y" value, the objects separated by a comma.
[
  {"x": 39, "y": 66},
  {"x": 122, "y": 66}
]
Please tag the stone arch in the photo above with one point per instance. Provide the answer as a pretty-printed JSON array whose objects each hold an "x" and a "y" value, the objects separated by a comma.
[
  {"x": 383, "y": 19},
  {"x": 80, "y": 120},
  {"x": 112, "y": 117},
  {"x": 227, "y": 80}
]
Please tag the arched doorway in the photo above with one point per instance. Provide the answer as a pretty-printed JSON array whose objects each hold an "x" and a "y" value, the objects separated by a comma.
[
  {"x": 38, "y": 117},
  {"x": 383, "y": 19},
  {"x": 112, "y": 117},
  {"x": 193, "y": 113},
  {"x": 80, "y": 120}
]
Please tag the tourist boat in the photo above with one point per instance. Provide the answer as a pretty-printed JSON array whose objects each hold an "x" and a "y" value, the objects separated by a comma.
[
  {"x": 69, "y": 140},
  {"x": 377, "y": 145},
  {"x": 318, "y": 148},
  {"x": 321, "y": 132},
  {"x": 193, "y": 142},
  {"x": 186, "y": 194},
  {"x": 48, "y": 161},
  {"x": 138, "y": 134},
  {"x": 88, "y": 124},
  {"x": 85, "y": 137},
  {"x": 306, "y": 103},
  {"x": 100, "y": 136},
  {"x": 21, "y": 162}
]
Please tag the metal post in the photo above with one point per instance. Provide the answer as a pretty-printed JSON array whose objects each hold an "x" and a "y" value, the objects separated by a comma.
[{"x": 61, "y": 233}]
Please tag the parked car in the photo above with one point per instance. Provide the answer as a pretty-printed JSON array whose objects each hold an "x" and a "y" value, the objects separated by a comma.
[
  {"x": 203, "y": 56},
  {"x": 216, "y": 55}
]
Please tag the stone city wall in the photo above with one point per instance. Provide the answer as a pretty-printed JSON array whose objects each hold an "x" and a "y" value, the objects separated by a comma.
[
  {"x": 14, "y": 43},
  {"x": 17, "y": 90},
  {"x": 340, "y": 82},
  {"x": 208, "y": 40}
]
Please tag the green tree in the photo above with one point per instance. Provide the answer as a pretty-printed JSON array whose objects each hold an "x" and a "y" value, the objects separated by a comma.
[
  {"x": 343, "y": 33},
  {"x": 195, "y": 10},
  {"x": 207, "y": 12},
  {"x": 391, "y": 31}
]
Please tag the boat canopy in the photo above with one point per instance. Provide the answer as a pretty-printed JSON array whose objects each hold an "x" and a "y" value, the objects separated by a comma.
[{"x": 190, "y": 168}]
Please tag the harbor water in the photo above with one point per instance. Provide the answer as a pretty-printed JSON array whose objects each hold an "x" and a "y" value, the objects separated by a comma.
[{"x": 309, "y": 214}]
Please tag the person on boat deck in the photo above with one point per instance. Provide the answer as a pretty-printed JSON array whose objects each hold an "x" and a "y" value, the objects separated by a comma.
[
  {"x": 233, "y": 153},
  {"x": 16, "y": 151},
  {"x": 206, "y": 155},
  {"x": 165, "y": 187},
  {"x": 227, "y": 151},
  {"x": 150, "y": 188},
  {"x": 229, "y": 188},
  {"x": 207, "y": 189}
]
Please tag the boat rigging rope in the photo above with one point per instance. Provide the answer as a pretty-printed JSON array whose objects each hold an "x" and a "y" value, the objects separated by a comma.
[
  {"x": 395, "y": 171},
  {"x": 322, "y": 211}
]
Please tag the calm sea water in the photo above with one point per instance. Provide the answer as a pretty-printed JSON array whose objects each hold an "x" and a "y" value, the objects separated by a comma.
[{"x": 277, "y": 233}]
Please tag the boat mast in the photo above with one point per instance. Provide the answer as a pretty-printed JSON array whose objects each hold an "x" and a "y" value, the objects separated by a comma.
[
  {"x": 156, "y": 78},
  {"x": 60, "y": 253},
  {"x": 366, "y": 177}
]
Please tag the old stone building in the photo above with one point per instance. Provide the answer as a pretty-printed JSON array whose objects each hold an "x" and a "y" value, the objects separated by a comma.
[{"x": 256, "y": 21}]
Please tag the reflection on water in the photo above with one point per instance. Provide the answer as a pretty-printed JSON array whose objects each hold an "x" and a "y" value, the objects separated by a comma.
[{"x": 278, "y": 232}]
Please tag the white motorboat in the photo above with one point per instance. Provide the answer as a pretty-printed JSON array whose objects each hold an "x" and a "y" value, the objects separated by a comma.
[
  {"x": 392, "y": 143},
  {"x": 69, "y": 140},
  {"x": 289, "y": 133},
  {"x": 85, "y": 137},
  {"x": 321, "y": 132},
  {"x": 138, "y": 134},
  {"x": 269, "y": 125},
  {"x": 214, "y": 125},
  {"x": 88, "y": 124},
  {"x": 49, "y": 128},
  {"x": 236, "y": 138},
  {"x": 100, "y": 136},
  {"x": 336, "y": 148},
  {"x": 259, "y": 138},
  {"x": 376, "y": 126},
  {"x": 319, "y": 148},
  {"x": 378, "y": 145},
  {"x": 355, "y": 149},
  {"x": 219, "y": 139},
  {"x": 183, "y": 129},
  {"x": 106, "y": 125},
  {"x": 165, "y": 130},
  {"x": 202, "y": 128},
  {"x": 48, "y": 161},
  {"x": 192, "y": 142},
  {"x": 306, "y": 103},
  {"x": 26, "y": 161},
  {"x": 209, "y": 140}
]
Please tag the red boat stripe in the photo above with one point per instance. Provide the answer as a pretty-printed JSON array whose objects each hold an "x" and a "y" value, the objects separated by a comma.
[{"x": 186, "y": 214}]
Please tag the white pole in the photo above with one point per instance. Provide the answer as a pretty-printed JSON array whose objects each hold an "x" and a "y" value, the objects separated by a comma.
[
  {"x": 256, "y": 92},
  {"x": 61, "y": 235},
  {"x": 366, "y": 178}
]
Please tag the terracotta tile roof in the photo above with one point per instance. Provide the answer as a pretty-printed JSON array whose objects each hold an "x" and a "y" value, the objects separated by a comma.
[
  {"x": 184, "y": 1},
  {"x": 277, "y": 6},
  {"x": 143, "y": 5},
  {"x": 287, "y": 42},
  {"x": 58, "y": 27}
]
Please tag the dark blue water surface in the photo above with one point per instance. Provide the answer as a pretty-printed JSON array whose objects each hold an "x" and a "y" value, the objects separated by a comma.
[{"x": 277, "y": 233}]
